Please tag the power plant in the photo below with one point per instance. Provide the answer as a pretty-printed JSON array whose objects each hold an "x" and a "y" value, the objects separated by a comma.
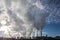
[{"x": 22, "y": 18}]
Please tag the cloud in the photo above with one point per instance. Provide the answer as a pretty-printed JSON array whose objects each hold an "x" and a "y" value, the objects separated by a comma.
[{"x": 22, "y": 16}]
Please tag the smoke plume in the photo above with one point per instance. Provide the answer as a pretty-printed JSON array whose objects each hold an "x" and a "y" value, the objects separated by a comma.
[{"x": 20, "y": 17}]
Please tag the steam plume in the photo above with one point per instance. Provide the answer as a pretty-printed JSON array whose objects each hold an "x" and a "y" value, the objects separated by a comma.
[{"x": 23, "y": 16}]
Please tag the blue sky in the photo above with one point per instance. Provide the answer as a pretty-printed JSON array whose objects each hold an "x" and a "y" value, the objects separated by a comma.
[{"x": 52, "y": 29}]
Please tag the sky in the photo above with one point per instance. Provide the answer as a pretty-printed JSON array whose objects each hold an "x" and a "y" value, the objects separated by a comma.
[
  {"x": 52, "y": 27},
  {"x": 21, "y": 13}
]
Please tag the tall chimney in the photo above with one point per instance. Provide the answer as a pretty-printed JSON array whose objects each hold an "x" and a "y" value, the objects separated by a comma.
[{"x": 41, "y": 34}]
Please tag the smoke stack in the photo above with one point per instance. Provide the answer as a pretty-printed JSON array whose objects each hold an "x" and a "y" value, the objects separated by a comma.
[{"x": 41, "y": 34}]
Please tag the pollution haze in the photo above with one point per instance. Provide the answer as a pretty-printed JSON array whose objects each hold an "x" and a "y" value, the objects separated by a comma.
[{"x": 21, "y": 17}]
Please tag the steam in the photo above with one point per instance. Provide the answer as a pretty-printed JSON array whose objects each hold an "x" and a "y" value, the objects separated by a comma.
[{"x": 22, "y": 16}]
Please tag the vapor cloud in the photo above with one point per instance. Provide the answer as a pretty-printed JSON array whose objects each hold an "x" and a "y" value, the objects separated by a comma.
[{"x": 22, "y": 16}]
